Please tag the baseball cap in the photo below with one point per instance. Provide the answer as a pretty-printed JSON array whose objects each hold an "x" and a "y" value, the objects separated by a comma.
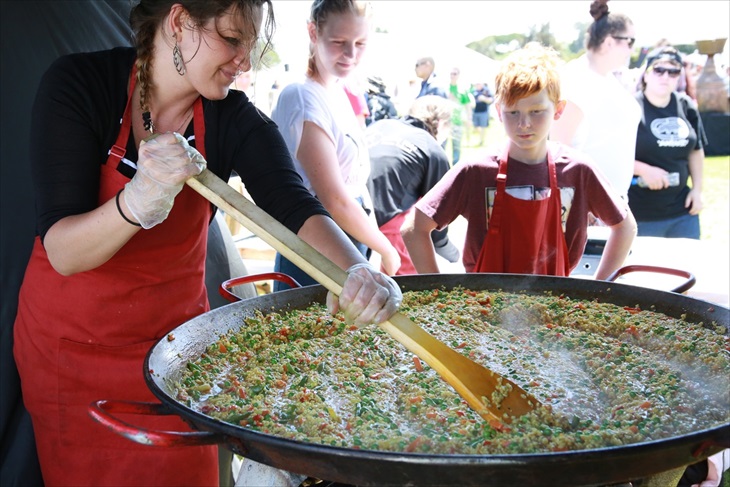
[{"x": 665, "y": 53}]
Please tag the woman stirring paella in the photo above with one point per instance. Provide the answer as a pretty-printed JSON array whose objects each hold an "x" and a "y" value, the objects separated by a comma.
[{"x": 119, "y": 257}]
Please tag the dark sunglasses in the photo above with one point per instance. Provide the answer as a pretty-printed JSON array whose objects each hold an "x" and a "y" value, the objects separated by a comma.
[
  {"x": 672, "y": 72},
  {"x": 630, "y": 40}
]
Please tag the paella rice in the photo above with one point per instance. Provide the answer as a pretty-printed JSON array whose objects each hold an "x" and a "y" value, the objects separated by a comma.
[{"x": 606, "y": 375}]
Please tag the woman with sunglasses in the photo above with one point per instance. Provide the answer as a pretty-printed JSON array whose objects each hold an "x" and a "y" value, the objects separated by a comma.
[
  {"x": 601, "y": 116},
  {"x": 669, "y": 151}
]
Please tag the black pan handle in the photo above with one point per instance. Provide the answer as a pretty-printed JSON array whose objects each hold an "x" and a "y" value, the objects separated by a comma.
[
  {"x": 101, "y": 411},
  {"x": 684, "y": 287},
  {"x": 225, "y": 287}
]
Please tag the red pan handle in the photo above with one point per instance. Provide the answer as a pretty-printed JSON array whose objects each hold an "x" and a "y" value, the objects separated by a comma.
[
  {"x": 225, "y": 287},
  {"x": 101, "y": 411},
  {"x": 661, "y": 270},
  {"x": 710, "y": 444}
]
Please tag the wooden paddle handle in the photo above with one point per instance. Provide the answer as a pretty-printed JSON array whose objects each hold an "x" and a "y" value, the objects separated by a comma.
[{"x": 264, "y": 226}]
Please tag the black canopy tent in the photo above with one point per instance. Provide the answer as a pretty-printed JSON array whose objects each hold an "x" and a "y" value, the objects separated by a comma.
[{"x": 34, "y": 33}]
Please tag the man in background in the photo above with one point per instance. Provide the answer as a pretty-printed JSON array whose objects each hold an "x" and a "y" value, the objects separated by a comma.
[{"x": 429, "y": 84}]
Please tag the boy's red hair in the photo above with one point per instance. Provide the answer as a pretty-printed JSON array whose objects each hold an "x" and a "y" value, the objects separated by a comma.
[{"x": 528, "y": 71}]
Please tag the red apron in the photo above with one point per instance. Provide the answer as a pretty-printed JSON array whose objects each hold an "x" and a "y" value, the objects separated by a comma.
[
  {"x": 84, "y": 337},
  {"x": 525, "y": 236},
  {"x": 391, "y": 230}
]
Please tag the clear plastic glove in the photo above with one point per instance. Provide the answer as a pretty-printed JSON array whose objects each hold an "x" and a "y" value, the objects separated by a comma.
[
  {"x": 368, "y": 296},
  {"x": 165, "y": 162}
]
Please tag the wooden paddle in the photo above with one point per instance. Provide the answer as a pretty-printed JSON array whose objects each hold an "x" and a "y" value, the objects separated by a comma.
[{"x": 471, "y": 380}]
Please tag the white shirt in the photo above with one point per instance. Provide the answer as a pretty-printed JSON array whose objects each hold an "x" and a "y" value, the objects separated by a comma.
[
  {"x": 611, "y": 117},
  {"x": 330, "y": 110}
]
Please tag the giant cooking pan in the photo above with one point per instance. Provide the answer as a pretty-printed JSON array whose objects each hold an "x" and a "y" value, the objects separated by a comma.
[{"x": 604, "y": 466}]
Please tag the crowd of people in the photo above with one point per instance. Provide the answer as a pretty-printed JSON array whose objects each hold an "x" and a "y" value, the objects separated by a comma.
[{"x": 372, "y": 188}]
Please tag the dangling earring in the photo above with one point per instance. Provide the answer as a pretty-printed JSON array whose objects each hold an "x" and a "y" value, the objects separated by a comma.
[{"x": 177, "y": 58}]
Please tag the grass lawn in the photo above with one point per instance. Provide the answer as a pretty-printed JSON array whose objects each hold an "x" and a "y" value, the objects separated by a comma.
[{"x": 715, "y": 218}]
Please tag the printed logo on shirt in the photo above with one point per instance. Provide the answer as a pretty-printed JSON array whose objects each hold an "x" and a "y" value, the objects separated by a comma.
[
  {"x": 670, "y": 132},
  {"x": 530, "y": 193}
]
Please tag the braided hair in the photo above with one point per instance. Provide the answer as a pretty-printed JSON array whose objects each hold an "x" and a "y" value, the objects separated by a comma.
[
  {"x": 147, "y": 16},
  {"x": 605, "y": 23}
]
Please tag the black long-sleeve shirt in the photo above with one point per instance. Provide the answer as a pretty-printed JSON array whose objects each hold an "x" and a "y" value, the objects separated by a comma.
[{"x": 75, "y": 121}]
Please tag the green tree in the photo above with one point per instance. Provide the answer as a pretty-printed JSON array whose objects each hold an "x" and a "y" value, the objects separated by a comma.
[
  {"x": 542, "y": 35},
  {"x": 497, "y": 47},
  {"x": 577, "y": 46}
]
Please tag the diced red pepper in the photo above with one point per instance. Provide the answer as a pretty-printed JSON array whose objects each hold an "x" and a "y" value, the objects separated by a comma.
[
  {"x": 632, "y": 330},
  {"x": 499, "y": 426},
  {"x": 418, "y": 364},
  {"x": 413, "y": 446}
]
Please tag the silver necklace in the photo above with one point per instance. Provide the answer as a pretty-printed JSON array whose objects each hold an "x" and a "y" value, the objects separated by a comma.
[{"x": 149, "y": 125}]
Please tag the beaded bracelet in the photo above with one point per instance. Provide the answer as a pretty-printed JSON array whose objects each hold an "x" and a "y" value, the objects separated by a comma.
[{"x": 119, "y": 208}]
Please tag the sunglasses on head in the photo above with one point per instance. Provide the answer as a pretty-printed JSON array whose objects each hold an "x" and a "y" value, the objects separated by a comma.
[
  {"x": 672, "y": 72},
  {"x": 630, "y": 40}
]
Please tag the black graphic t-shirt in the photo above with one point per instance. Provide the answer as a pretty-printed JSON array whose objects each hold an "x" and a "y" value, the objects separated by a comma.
[{"x": 665, "y": 138}]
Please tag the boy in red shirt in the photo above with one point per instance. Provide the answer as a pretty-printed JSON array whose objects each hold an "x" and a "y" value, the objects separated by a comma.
[{"x": 528, "y": 204}]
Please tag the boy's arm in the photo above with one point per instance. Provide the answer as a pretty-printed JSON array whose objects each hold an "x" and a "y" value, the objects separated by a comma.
[
  {"x": 416, "y": 232},
  {"x": 617, "y": 246}
]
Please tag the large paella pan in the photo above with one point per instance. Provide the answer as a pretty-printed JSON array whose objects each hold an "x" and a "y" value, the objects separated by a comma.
[{"x": 168, "y": 359}]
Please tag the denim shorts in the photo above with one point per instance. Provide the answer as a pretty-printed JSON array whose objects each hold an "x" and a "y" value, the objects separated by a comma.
[
  {"x": 685, "y": 226},
  {"x": 480, "y": 119}
]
